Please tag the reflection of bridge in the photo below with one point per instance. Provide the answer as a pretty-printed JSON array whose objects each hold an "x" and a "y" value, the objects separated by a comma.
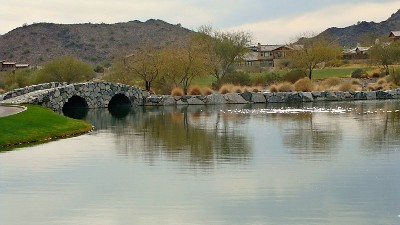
[{"x": 91, "y": 95}]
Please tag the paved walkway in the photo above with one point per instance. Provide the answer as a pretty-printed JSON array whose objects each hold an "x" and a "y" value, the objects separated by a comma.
[{"x": 10, "y": 110}]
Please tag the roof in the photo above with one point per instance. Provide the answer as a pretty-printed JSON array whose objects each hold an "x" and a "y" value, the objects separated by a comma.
[
  {"x": 394, "y": 34},
  {"x": 269, "y": 48}
]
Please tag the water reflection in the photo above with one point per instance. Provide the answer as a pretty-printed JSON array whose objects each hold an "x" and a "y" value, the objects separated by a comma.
[
  {"x": 309, "y": 130},
  {"x": 198, "y": 131}
]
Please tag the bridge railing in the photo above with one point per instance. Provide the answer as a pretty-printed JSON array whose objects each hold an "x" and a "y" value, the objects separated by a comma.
[{"x": 28, "y": 89}]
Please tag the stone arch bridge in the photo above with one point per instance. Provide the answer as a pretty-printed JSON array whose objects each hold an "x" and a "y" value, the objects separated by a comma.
[{"x": 57, "y": 96}]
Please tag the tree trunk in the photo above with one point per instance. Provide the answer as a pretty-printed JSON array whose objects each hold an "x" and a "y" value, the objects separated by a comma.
[{"x": 148, "y": 85}]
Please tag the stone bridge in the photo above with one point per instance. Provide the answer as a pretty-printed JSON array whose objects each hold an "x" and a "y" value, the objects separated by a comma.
[{"x": 58, "y": 96}]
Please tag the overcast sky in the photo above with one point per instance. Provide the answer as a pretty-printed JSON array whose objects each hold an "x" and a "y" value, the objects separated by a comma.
[{"x": 269, "y": 21}]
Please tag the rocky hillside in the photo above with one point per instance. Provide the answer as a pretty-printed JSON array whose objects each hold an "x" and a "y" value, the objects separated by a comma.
[
  {"x": 362, "y": 31},
  {"x": 94, "y": 43}
]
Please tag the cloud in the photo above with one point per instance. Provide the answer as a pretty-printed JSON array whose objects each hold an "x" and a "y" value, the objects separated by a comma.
[{"x": 283, "y": 30}]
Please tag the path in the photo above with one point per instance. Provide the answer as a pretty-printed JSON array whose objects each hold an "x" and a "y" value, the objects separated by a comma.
[{"x": 10, "y": 110}]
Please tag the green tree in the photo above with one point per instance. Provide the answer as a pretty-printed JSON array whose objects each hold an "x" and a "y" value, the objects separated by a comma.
[
  {"x": 181, "y": 64},
  {"x": 65, "y": 69},
  {"x": 144, "y": 63},
  {"x": 385, "y": 54},
  {"x": 313, "y": 52},
  {"x": 224, "y": 48}
]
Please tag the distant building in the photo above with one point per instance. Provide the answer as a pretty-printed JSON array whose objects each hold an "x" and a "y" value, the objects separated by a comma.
[
  {"x": 356, "y": 53},
  {"x": 266, "y": 55},
  {"x": 5, "y": 66},
  {"x": 394, "y": 35}
]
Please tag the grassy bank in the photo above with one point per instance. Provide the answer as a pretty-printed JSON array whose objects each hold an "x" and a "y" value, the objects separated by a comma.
[{"x": 38, "y": 124}]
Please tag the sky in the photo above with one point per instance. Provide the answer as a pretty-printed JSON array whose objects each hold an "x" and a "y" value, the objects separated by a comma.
[{"x": 269, "y": 21}]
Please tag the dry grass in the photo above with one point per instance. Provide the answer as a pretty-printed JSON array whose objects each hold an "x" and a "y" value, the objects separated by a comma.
[
  {"x": 226, "y": 88},
  {"x": 194, "y": 90},
  {"x": 331, "y": 82},
  {"x": 356, "y": 82},
  {"x": 177, "y": 91},
  {"x": 2, "y": 91},
  {"x": 273, "y": 88},
  {"x": 207, "y": 91},
  {"x": 285, "y": 87},
  {"x": 348, "y": 86},
  {"x": 237, "y": 89},
  {"x": 304, "y": 84},
  {"x": 382, "y": 81}
]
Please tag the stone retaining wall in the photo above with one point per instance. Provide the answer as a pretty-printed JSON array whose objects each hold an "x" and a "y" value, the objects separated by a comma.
[{"x": 278, "y": 97}]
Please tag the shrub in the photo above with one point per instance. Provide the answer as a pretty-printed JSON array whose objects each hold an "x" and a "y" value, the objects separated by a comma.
[
  {"x": 237, "y": 89},
  {"x": 358, "y": 73},
  {"x": 226, "y": 88},
  {"x": 376, "y": 75},
  {"x": 347, "y": 86},
  {"x": 264, "y": 79},
  {"x": 304, "y": 84},
  {"x": 381, "y": 81},
  {"x": 236, "y": 78},
  {"x": 356, "y": 82},
  {"x": 2, "y": 91},
  {"x": 395, "y": 76},
  {"x": 273, "y": 88},
  {"x": 207, "y": 91},
  {"x": 294, "y": 75},
  {"x": 330, "y": 82},
  {"x": 194, "y": 90},
  {"x": 285, "y": 87},
  {"x": 177, "y": 91}
]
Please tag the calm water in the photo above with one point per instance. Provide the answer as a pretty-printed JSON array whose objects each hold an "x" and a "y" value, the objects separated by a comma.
[{"x": 330, "y": 163}]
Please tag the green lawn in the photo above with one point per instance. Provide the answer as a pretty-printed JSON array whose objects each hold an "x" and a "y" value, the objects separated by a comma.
[
  {"x": 205, "y": 81},
  {"x": 332, "y": 72},
  {"x": 38, "y": 124}
]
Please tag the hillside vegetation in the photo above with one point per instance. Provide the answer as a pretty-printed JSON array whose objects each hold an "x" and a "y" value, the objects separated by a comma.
[
  {"x": 94, "y": 43},
  {"x": 363, "y": 32}
]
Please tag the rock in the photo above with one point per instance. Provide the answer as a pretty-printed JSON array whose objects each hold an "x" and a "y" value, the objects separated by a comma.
[
  {"x": 258, "y": 98},
  {"x": 307, "y": 96},
  {"x": 195, "y": 101},
  {"x": 247, "y": 96},
  {"x": 234, "y": 98},
  {"x": 215, "y": 99}
]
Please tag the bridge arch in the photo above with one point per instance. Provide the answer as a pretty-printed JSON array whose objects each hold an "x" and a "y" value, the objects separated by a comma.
[{"x": 119, "y": 100}]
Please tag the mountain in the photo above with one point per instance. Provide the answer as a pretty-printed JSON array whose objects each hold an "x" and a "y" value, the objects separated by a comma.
[
  {"x": 94, "y": 43},
  {"x": 363, "y": 31}
]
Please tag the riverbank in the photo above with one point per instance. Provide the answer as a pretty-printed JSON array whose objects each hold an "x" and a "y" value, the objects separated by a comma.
[{"x": 38, "y": 124}]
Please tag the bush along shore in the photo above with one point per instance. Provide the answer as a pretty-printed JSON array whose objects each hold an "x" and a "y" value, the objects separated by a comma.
[
  {"x": 38, "y": 124},
  {"x": 270, "y": 97}
]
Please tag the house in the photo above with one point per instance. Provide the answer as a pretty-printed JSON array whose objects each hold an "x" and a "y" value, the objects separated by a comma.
[
  {"x": 356, "y": 53},
  {"x": 266, "y": 55},
  {"x": 5, "y": 66},
  {"x": 394, "y": 35}
]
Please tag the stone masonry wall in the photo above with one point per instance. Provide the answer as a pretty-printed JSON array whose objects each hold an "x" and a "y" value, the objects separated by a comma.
[{"x": 278, "y": 97}]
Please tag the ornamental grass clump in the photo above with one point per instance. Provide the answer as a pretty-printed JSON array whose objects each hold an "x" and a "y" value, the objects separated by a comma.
[
  {"x": 348, "y": 86},
  {"x": 273, "y": 88},
  {"x": 330, "y": 83},
  {"x": 285, "y": 87},
  {"x": 194, "y": 90},
  {"x": 226, "y": 88},
  {"x": 177, "y": 91},
  {"x": 207, "y": 91},
  {"x": 304, "y": 85}
]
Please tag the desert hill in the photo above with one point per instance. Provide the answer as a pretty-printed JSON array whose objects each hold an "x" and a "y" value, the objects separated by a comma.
[{"x": 94, "y": 43}]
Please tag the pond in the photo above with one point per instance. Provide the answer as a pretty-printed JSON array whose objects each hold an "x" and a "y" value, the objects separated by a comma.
[{"x": 316, "y": 163}]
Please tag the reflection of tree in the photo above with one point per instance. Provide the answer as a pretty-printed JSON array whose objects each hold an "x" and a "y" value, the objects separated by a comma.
[
  {"x": 310, "y": 135},
  {"x": 174, "y": 132},
  {"x": 380, "y": 126}
]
